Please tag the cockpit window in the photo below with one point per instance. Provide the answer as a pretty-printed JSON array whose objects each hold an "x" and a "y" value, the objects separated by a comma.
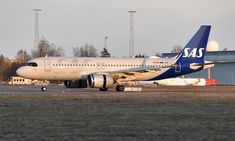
[{"x": 32, "y": 64}]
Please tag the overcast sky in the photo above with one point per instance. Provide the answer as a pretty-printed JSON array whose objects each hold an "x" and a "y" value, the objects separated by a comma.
[{"x": 158, "y": 24}]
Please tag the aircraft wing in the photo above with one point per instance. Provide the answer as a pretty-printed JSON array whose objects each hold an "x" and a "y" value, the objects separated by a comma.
[{"x": 132, "y": 73}]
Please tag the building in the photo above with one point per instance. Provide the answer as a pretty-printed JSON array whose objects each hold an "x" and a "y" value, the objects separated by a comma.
[
  {"x": 224, "y": 73},
  {"x": 17, "y": 80}
]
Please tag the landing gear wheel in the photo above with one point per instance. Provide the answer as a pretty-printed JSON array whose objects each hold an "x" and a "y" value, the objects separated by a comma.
[
  {"x": 44, "y": 88},
  {"x": 103, "y": 89},
  {"x": 120, "y": 88}
]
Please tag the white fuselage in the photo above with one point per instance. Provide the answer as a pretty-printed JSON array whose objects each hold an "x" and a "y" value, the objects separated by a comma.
[{"x": 65, "y": 68}]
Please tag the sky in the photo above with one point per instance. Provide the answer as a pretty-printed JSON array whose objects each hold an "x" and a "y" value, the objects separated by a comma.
[{"x": 158, "y": 24}]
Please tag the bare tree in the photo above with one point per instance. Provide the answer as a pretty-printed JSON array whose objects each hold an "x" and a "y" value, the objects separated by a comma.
[
  {"x": 92, "y": 51},
  {"x": 45, "y": 48},
  {"x": 2, "y": 59},
  {"x": 76, "y": 52},
  {"x": 85, "y": 51},
  {"x": 10, "y": 68},
  {"x": 22, "y": 56},
  {"x": 176, "y": 49},
  {"x": 79, "y": 52}
]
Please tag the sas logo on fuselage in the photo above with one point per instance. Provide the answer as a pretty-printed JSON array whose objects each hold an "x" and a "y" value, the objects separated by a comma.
[{"x": 198, "y": 53}]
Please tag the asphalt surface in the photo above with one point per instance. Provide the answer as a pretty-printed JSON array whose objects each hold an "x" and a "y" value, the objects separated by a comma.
[
  {"x": 51, "y": 89},
  {"x": 60, "y": 89}
]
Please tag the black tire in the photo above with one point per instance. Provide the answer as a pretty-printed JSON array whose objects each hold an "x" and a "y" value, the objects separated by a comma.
[
  {"x": 44, "y": 89},
  {"x": 120, "y": 88},
  {"x": 103, "y": 89}
]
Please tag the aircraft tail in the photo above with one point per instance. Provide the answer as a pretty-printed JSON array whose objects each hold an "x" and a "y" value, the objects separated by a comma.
[{"x": 195, "y": 50}]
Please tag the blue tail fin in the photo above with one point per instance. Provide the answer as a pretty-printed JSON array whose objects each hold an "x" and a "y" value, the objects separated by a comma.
[{"x": 194, "y": 51}]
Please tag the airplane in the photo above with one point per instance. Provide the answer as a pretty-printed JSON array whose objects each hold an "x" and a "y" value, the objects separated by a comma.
[{"x": 104, "y": 73}]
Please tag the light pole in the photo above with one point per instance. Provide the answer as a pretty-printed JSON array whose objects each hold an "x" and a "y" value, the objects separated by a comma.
[
  {"x": 36, "y": 40},
  {"x": 131, "y": 42},
  {"x": 105, "y": 41}
]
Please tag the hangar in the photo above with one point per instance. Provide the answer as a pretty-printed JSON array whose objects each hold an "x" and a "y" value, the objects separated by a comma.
[{"x": 224, "y": 73}]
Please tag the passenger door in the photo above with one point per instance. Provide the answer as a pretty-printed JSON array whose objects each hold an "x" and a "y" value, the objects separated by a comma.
[{"x": 47, "y": 64}]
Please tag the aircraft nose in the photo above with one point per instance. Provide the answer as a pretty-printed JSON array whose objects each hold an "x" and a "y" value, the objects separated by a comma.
[{"x": 20, "y": 71}]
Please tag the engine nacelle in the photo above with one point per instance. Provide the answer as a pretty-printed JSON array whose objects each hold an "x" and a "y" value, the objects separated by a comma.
[{"x": 100, "y": 81}]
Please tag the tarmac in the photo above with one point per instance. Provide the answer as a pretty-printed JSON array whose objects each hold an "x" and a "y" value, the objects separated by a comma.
[
  {"x": 60, "y": 89},
  {"x": 161, "y": 113}
]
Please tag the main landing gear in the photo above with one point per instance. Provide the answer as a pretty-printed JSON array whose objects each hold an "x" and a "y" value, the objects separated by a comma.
[
  {"x": 103, "y": 89},
  {"x": 120, "y": 88}
]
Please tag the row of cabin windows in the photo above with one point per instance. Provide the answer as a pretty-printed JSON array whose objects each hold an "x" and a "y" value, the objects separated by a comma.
[
  {"x": 18, "y": 80},
  {"x": 109, "y": 65}
]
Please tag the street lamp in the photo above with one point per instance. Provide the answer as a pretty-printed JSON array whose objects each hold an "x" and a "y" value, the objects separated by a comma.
[
  {"x": 36, "y": 40},
  {"x": 131, "y": 42},
  {"x": 105, "y": 41}
]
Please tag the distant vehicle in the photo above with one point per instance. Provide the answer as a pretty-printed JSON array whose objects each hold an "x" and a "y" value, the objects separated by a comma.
[
  {"x": 105, "y": 72},
  {"x": 187, "y": 82}
]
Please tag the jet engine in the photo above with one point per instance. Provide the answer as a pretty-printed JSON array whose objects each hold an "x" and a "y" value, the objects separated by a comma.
[{"x": 100, "y": 81}]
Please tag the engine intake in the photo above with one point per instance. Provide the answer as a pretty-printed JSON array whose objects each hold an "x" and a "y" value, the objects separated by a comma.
[{"x": 100, "y": 81}]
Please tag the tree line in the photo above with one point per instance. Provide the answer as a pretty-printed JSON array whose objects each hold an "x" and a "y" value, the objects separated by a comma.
[{"x": 45, "y": 48}]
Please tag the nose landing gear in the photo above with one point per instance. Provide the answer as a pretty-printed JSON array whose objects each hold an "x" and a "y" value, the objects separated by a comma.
[{"x": 44, "y": 88}]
